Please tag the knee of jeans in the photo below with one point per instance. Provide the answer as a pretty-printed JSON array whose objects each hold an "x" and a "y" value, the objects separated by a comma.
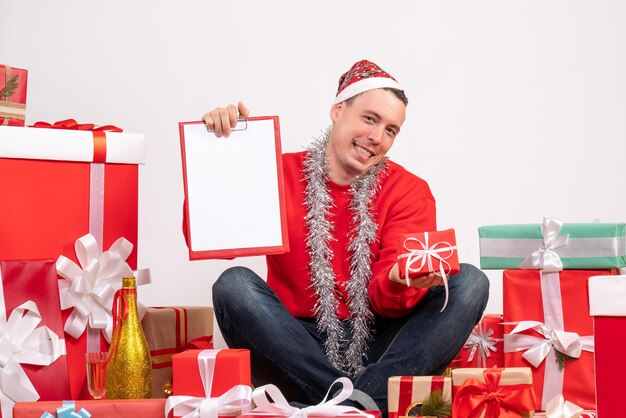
[
  {"x": 474, "y": 283},
  {"x": 230, "y": 283}
]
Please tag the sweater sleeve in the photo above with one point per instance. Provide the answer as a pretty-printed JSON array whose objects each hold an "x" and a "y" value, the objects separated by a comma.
[{"x": 408, "y": 211}]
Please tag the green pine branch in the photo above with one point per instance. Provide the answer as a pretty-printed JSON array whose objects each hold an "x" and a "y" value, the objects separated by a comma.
[
  {"x": 10, "y": 88},
  {"x": 433, "y": 406},
  {"x": 561, "y": 359}
]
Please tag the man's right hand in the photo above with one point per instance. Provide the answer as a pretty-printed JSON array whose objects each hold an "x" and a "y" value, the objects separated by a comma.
[{"x": 222, "y": 120}]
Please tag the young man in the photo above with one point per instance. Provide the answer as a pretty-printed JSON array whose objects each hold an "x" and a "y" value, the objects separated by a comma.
[{"x": 335, "y": 305}]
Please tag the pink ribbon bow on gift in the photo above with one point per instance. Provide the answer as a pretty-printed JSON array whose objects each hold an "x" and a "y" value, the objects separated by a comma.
[
  {"x": 424, "y": 254},
  {"x": 481, "y": 342},
  {"x": 326, "y": 408}
]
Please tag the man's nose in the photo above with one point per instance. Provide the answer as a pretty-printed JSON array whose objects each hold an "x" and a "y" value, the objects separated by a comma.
[{"x": 376, "y": 134}]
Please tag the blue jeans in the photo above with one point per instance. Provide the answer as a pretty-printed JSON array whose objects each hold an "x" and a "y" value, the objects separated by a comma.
[{"x": 289, "y": 352}]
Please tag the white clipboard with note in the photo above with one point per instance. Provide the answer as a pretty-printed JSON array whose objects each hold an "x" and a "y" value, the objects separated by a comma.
[{"x": 234, "y": 191}]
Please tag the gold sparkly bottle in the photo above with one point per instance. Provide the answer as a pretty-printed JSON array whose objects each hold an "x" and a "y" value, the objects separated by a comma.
[{"x": 129, "y": 368}]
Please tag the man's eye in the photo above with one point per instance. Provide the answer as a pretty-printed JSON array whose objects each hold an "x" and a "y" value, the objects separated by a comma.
[
  {"x": 368, "y": 119},
  {"x": 391, "y": 132}
]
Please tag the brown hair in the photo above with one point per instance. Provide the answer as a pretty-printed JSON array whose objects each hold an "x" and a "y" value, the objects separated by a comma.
[{"x": 397, "y": 92}]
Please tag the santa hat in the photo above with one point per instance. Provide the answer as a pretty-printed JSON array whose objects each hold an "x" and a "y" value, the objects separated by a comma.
[{"x": 363, "y": 76}]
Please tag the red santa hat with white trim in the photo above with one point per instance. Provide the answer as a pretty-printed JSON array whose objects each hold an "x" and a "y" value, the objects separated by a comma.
[{"x": 363, "y": 76}]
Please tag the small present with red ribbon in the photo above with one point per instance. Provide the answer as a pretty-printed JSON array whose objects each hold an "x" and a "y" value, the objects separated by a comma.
[
  {"x": 64, "y": 182},
  {"x": 33, "y": 364},
  {"x": 13, "y": 83},
  {"x": 171, "y": 330},
  {"x": 484, "y": 347},
  {"x": 607, "y": 306},
  {"x": 406, "y": 393},
  {"x": 493, "y": 393},
  {"x": 428, "y": 252},
  {"x": 553, "y": 335}
]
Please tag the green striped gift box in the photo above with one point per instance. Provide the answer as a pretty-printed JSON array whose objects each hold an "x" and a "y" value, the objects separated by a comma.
[{"x": 589, "y": 245}]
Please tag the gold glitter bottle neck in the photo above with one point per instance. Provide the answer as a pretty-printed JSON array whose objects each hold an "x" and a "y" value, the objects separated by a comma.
[{"x": 128, "y": 282}]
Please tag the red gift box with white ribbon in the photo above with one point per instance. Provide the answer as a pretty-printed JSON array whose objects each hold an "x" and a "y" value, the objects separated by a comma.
[
  {"x": 62, "y": 184},
  {"x": 484, "y": 347},
  {"x": 607, "y": 304},
  {"x": 33, "y": 364},
  {"x": 428, "y": 252},
  {"x": 548, "y": 328}
]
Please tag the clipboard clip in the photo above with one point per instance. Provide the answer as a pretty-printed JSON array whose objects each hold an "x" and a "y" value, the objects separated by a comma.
[{"x": 242, "y": 125}]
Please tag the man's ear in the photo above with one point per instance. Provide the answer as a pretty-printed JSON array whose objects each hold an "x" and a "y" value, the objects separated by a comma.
[{"x": 335, "y": 111}]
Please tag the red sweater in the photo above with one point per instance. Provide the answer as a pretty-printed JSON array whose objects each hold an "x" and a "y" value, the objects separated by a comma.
[{"x": 404, "y": 204}]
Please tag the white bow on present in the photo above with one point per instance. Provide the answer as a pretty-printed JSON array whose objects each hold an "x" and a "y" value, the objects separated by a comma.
[
  {"x": 482, "y": 343},
  {"x": 89, "y": 288},
  {"x": 22, "y": 341},
  {"x": 558, "y": 407},
  {"x": 545, "y": 258},
  {"x": 236, "y": 401},
  {"x": 326, "y": 408}
]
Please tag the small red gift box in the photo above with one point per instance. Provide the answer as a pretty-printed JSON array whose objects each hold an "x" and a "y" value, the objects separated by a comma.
[
  {"x": 488, "y": 393},
  {"x": 30, "y": 298},
  {"x": 13, "y": 82},
  {"x": 554, "y": 335},
  {"x": 58, "y": 194},
  {"x": 170, "y": 330},
  {"x": 126, "y": 408},
  {"x": 404, "y": 391},
  {"x": 226, "y": 369},
  {"x": 607, "y": 302},
  {"x": 484, "y": 347},
  {"x": 426, "y": 252}
]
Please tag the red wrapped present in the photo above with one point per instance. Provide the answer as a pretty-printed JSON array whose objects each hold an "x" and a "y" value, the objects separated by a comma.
[
  {"x": 123, "y": 408},
  {"x": 33, "y": 364},
  {"x": 607, "y": 303},
  {"x": 62, "y": 184},
  {"x": 13, "y": 83},
  {"x": 554, "y": 334},
  {"x": 170, "y": 330},
  {"x": 220, "y": 378},
  {"x": 404, "y": 392},
  {"x": 492, "y": 393},
  {"x": 484, "y": 347},
  {"x": 428, "y": 252},
  {"x": 278, "y": 406}
]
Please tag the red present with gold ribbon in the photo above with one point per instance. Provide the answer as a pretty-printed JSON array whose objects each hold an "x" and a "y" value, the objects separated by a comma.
[
  {"x": 428, "y": 252},
  {"x": 33, "y": 364},
  {"x": 13, "y": 83},
  {"x": 122, "y": 408},
  {"x": 170, "y": 330},
  {"x": 554, "y": 334},
  {"x": 405, "y": 392},
  {"x": 61, "y": 184},
  {"x": 484, "y": 347},
  {"x": 492, "y": 393},
  {"x": 607, "y": 304}
]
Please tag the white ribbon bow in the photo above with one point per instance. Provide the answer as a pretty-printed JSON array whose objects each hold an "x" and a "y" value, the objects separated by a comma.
[
  {"x": 481, "y": 342},
  {"x": 236, "y": 401},
  {"x": 545, "y": 258},
  {"x": 89, "y": 288},
  {"x": 424, "y": 254},
  {"x": 22, "y": 341},
  {"x": 537, "y": 349},
  {"x": 558, "y": 407},
  {"x": 326, "y": 408}
]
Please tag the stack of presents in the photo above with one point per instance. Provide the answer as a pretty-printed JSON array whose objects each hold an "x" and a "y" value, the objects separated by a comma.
[{"x": 68, "y": 224}]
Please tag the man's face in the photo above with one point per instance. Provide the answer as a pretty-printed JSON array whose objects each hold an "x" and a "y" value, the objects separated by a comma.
[{"x": 363, "y": 131}]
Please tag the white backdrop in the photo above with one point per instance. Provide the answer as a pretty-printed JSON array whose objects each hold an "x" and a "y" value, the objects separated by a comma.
[{"x": 517, "y": 108}]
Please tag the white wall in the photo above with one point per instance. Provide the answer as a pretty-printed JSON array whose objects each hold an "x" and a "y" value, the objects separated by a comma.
[{"x": 517, "y": 108}]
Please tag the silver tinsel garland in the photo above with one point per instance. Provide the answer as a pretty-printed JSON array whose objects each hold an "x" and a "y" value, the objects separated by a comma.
[{"x": 318, "y": 201}]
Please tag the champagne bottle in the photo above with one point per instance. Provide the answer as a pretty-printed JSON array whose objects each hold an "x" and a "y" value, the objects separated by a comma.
[{"x": 129, "y": 367}]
